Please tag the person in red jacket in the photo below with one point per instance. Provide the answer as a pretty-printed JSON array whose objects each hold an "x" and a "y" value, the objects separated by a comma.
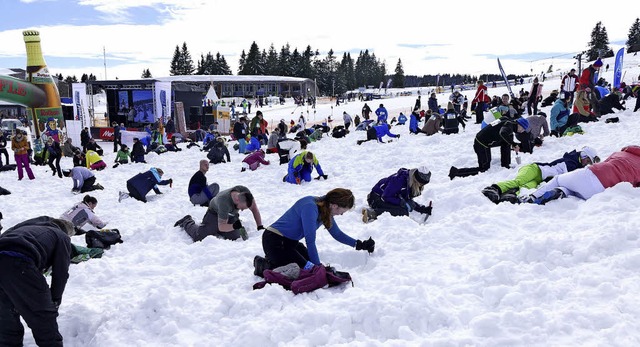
[
  {"x": 480, "y": 100},
  {"x": 623, "y": 166},
  {"x": 253, "y": 161},
  {"x": 587, "y": 83}
]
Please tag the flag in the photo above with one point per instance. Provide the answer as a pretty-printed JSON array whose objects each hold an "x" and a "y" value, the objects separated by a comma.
[
  {"x": 617, "y": 70},
  {"x": 506, "y": 81}
]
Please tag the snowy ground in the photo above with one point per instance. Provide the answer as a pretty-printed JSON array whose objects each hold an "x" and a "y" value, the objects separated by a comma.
[{"x": 476, "y": 274}]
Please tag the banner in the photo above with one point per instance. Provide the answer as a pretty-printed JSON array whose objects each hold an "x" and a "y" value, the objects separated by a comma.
[
  {"x": 506, "y": 81},
  {"x": 617, "y": 70},
  {"x": 163, "y": 101},
  {"x": 80, "y": 105}
]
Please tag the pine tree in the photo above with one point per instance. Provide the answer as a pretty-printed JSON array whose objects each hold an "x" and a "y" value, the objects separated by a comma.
[
  {"x": 398, "y": 78},
  {"x": 633, "y": 42},
  {"x": 84, "y": 78},
  {"x": 253, "y": 62},
  {"x": 146, "y": 73},
  {"x": 175, "y": 63},
  {"x": 221, "y": 65},
  {"x": 271, "y": 62},
  {"x": 599, "y": 44},
  {"x": 284, "y": 61},
  {"x": 306, "y": 68},
  {"x": 186, "y": 61},
  {"x": 242, "y": 62}
]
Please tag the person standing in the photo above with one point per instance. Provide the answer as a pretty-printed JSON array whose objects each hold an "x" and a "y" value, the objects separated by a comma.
[
  {"x": 222, "y": 218},
  {"x": 21, "y": 146},
  {"x": 3, "y": 149},
  {"x": 382, "y": 114},
  {"x": 535, "y": 95},
  {"x": 55, "y": 154},
  {"x": 569, "y": 84},
  {"x": 27, "y": 250},
  {"x": 117, "y": 136},
  {"x": 201, "y": 193},
  {"x": 84, "y": 138},
  {"x": 481, "y": 100},
  {"x": 347, "y": 120},
  {"x": 366, "y": 111}
]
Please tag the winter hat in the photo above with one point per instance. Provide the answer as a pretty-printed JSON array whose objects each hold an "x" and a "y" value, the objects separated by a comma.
[
  {"x": 523, "y": 122},
  {"x": 598, "y": 63},
  {"x": 422, "y": 175},
  {"x": 588, "y": 152}
]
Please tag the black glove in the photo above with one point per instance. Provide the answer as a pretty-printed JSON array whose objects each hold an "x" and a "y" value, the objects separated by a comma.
[
  {"x": 424, "y": 209},
  {"x": 260, "y": 227},
  {"x": 322, "y": 176},
  {"x": 237, "y": 224},
  {"x": 367, "y": 245},
  {"x": 398, "y": 136}
]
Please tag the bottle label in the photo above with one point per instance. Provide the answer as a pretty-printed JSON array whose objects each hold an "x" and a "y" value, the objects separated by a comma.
[{"x": 41, "y": 76}]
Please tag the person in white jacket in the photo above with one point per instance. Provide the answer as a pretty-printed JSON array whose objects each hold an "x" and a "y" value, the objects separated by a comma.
[{"x": 82, "y": 213}]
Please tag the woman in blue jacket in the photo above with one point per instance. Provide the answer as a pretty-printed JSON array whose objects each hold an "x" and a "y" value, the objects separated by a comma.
[
  {"x": 140, "y": 184},
  {"x": 395, "y": 194},
  {"x": 281, "y": 240},
  {"x": 560, "y": 117}
]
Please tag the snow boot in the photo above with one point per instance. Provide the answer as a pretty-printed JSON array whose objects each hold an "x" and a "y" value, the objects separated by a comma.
[
  {"x": 453, "y": 172},
  {"x": 259, "y": 265},
  {"x": 182, "y": 220},
  {"x": 122, "y": 196},
  {"x": 368, "y": 215},
  {"x": 553, "y": 194},
  {"x": 492, "y": 193},
  {"x": 510, "y": 196}
]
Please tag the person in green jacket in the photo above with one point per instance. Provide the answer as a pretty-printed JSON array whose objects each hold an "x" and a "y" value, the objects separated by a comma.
[{"x": 122, "y": 157}]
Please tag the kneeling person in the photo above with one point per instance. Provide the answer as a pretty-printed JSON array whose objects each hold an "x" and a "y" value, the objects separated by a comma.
[{"x": 222, "y": 218}]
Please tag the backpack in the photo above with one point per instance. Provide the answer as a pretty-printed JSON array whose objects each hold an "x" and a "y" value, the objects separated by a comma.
[
  {"x": 102, "y": 238},
  {"x": 576, "y": 129},
  {"x": 450, "y": 123},
  {"x": 338, "y": 132}
]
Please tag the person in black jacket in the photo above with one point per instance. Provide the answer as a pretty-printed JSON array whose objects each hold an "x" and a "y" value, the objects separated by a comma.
[
  {"x": 499, "y": 133},
  {"x": 218, "y": 152},
  {"x": 26, "y": 251},
  {"x": 239, "y": 133},
  {"x": 55, "y": 154},
  {"x": 94, "y": 146},
  {"x": 140, "y": 184},
  {"x": 117, "y": 136},
  {"x": 137, "y": 152},
  {"x": 3, "y": 149},
  {"x": 84, "y": 138},
  {"x": 200, "y": 193}
]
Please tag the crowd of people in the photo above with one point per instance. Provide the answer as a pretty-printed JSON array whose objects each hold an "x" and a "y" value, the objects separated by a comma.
[{"x": 509, "y": 122}]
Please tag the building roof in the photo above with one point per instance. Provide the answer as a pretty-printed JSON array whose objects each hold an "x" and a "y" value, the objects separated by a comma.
[{"x": 209, "y": 78}]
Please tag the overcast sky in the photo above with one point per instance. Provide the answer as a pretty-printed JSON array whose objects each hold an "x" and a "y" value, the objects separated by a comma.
[{"x": 429, "y": 37}]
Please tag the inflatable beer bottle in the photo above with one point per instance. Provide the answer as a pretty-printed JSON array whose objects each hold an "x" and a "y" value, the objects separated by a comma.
[{"x": 47, "y": 118}]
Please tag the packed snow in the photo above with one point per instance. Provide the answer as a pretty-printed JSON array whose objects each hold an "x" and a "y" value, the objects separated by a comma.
[{"x": 475, "y": 274}]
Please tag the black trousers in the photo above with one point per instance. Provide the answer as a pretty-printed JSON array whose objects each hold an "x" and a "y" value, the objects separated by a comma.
[
  {"x": 480, "y": 112},
  {"x": 280, "y": 251},
  {"x": 6, "y": 156},
  {"x": 56, "y": 168},
  {"x": 24, "y": 293},
  {"x": 209, "y": 227},
  {"x": 88, "y": 185},
  {"x": 380, "y": 206},
  {"x": 484, "y": 159}
]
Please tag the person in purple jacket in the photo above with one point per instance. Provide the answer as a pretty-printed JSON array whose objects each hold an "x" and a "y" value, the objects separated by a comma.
[
  {"x": 395, "y": 194},
  {"x": 253, "y": 161}
]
